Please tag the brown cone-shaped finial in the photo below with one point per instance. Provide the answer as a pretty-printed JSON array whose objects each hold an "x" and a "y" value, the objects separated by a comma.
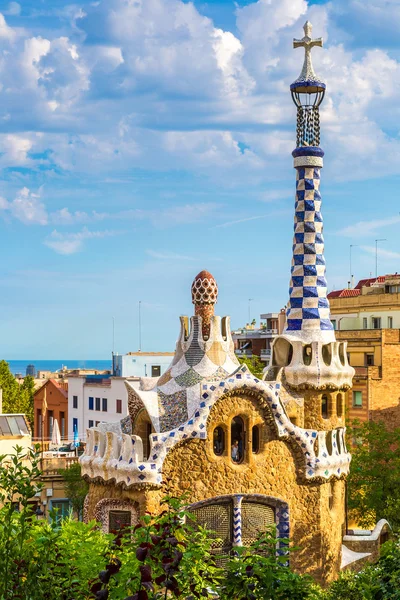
[{"x": 204, "y": 296}]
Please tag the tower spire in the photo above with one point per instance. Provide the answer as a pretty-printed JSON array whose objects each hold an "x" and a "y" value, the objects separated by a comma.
[{"x": 308, "y": 315}]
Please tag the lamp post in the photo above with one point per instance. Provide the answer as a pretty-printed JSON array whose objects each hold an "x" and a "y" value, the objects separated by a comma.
[
  {"x": 376, "y": 254},
  {"x": 351, "y": 268},
  {"x": 250, "y": 300}
]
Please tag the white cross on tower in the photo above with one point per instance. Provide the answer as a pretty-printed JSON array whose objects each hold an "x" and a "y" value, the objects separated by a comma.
[{"x": 307, "y": 72}]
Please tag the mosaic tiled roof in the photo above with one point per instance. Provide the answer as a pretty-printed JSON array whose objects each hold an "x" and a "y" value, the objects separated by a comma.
[{"x": 201, "y": 355}]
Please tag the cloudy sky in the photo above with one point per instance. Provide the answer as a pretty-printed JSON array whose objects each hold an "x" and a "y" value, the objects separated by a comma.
[{"x": 144, "y": 140}]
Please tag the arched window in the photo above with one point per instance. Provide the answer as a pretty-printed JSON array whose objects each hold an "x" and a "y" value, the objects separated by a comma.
[
  {"x": 324, "y": 406},
  {"x": 219, "y": 441},
  {"x": 307, "y": 354},
  {"x": 327, "y": 354},
  {"x": 339, "y": 405},
  {"x": 255, "y": 439},
  {"x": 237, "y": 440},
  {"x": 341, "y": 353}
]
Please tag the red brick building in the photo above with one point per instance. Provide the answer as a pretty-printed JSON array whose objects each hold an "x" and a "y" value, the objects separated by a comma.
[{"x": 54, "y": 394}]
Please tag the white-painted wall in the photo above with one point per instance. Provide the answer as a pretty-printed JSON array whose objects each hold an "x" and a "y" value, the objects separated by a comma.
[
  {"x": 77, "y": 386},
  {"x": 356, "y": 321},
  {"x": 140, "y": 365}
]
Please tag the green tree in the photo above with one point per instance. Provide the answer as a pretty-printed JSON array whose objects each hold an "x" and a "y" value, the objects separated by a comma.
[
  {"x": 10, "y": 388},
  {"x": 254, "y": 364},
  {"x": 374, "y": 480},
  {"x": 76, "y": 487},
  {"x": 27, "y": 391},
  {"x": 17, "y": 397}
]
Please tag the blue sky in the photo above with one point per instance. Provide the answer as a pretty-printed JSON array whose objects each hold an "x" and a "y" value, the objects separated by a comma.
[{"x": 142, "y": 141}]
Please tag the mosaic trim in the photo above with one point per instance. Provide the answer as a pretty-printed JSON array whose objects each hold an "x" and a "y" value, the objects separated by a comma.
[
  {"x": 103, "y": 508},
  {"x": 282, "y": 519},
  {"x": 110, "y": 458}
]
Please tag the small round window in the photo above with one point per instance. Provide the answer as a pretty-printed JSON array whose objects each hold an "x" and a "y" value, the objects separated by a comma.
[{"x": 219, "y": 441}]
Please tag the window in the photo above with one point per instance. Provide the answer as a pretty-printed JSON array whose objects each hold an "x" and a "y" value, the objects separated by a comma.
[
  {"x": 237, "y": 440},
  {"x": 91, "y": 424},
  {"x": 74, "y": 425},
  {"x": 339, "y": 405},
  {"x": 91, "y": 403},
  {"x": 62, "y": 419},
  {"x": 357, "y": 398},
  {"x": 255, "y": 439},
  {"x": 307, "y": 355},
  {"x": 118, "y": 519},
  {"x": 369, "y": 360},
  {"x": 155, "y": 371},
  {"x": 50, "y": 423},
  {"x": 333, "y": 321},
  {"x": 219, "y": 441},
  {"x": 119, "y": 406},
  {"x": 97, "y": 403},
  {"x": 324, "y": 406},
  {"x": 97, "y": 422},
  {"x": 365, "y": 323},
  {"x": 104, "y": 405},
  {"x": 390, "y": 322},
  {"x": 39, "y": 422},
  {"x": 376, "y": 322},
  {"x": 74, "y": 401},
  {"x": 62, "y": 509}
]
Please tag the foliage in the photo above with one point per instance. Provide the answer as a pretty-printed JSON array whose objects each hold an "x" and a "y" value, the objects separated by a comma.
[
  {"x": 375, "y": 582},
  {"x": 76, "y": 487},
  {"x": 19, "y": 475},
  {"x": 374, "y": 480},
  {"x": 17, "y": 398},
  {"x": 256, "y": 573},
  {"x": 165, "y": 556},
  {"x": 254, "y": 364}
]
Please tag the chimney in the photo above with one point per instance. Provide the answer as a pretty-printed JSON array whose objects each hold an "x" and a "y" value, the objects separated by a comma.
[{"x": 349, "y": 285}]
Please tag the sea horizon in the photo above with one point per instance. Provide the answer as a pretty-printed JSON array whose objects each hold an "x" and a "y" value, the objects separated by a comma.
[{"x": 19, "y": 366}]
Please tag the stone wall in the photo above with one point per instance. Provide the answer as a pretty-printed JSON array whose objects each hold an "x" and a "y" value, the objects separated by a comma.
[{"x": 316, "y": 509}]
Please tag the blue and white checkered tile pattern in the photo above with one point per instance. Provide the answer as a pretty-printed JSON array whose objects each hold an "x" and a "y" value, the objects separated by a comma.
[{"x": 308, "y": 304}]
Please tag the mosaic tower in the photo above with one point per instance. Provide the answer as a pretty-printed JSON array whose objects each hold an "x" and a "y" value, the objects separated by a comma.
[
  {"x": 307, "y": 348},
  {"x": 247, "y": 452}
]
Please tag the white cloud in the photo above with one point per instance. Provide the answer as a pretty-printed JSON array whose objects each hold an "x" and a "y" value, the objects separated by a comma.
[
  {"x": 14, "y": 9},
  {"x": 26, "y": 207},
  {"x": 382, "y": 253},
  {"x": 167, "y": 255},
  {"x": 70, "y": 243},
  {"x": 365, "y": 228}
]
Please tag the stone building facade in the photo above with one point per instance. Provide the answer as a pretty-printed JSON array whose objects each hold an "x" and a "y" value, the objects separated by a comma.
[
  {"x": 247, "y": 452},
  {"x": 367, "y": 317}
]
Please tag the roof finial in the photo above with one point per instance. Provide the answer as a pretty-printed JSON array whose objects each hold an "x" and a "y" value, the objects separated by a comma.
[{"x": 307, "y": 76}]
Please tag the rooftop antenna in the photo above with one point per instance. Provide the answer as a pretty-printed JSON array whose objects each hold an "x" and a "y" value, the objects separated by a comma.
[
  {"x": 351, "y": 268},
  {"x": 250, "y": 300},
  {"x": 113, "y": 335},
  {"x": 140, "y": 325},
  {"x": 376, "y": 254}
]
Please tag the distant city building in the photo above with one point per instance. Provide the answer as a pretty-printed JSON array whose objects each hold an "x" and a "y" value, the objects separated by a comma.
[
  {"x": 251, "y": 340},
  {"x": 50, "y": 403},
  {"x": 30, "y": 370},
  {"x": 141, "y": 364},
  {"x": 95, "y": 399},
  {"x": 368, "y": 318}
]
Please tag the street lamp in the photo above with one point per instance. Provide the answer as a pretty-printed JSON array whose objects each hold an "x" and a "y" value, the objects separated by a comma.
[{"x": 376, "y": 255}]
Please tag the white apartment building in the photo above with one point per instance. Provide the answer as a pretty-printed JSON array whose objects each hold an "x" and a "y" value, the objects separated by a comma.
[
  {"x": 141, "y": 364},
  {"x": 94, "y": 399}
]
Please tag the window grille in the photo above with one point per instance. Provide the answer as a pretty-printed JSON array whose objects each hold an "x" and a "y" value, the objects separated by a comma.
[
  {"x": 256, "y": 519},
  {"x": 218, "y": 519}
]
